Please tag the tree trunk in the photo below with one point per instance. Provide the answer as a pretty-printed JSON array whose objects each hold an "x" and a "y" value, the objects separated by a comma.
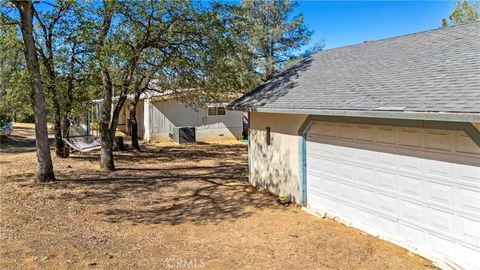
[
  {"x": 270, "y": 72},
  {"x": 65, "y": 131},
  {"x": 44, "y": 160},
  {"x": 106, "y": 151},
  {"x": 270, "y": 69},
  {"x": 69, "y": 99},
  {"x": 106, "y": 136},
  {"x": 133, "y": 122},
  {"x": 57, "y": 124},
  {"x": 49, "y": 65}
]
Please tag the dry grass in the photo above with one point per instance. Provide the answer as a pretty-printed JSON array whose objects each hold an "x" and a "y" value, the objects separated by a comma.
[{"x": 169, "y": 207}]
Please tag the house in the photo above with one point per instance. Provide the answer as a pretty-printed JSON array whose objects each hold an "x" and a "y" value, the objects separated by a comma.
[
  {"x": 383, "y": 135},
  {"x": 161, "y": 115}
]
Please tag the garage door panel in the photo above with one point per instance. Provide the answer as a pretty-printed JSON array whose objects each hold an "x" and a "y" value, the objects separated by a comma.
[
  {"x": 346, "y": 191},
  {"x": 319, "y": 184},
  {"x": 347, "y": 212},
  {"x": 387, "y": 203},
  {"x": 385, "y": 135},
  {"x": 408, "y": 164},
  {"x": 366, "y": 219},
  {"x": 316, "y": 164},
  {"x": 418, "y": 187},
  {"x": 366, "y": 197},
  {"x": 469, "y": 256},
  {"x": 385, "y": 159},
  {"x": 411, "y": 211},
  {"x": 441, "y": 245},
  {"x": 329, "y": 166},
  {"x": 410, "y": 137},
  {"x": 413, "y": 236},
  {"x": 365, "y": 133},
  {"x": 346, "y": 131},
  {"x": 328, "y": 130},
  {"x": 411, "y": 186},
  {"x": 346, "y": 171},
  {"x": 438, "y": 169},
  {"x": 365, "y": 156},
  {"x": 440, "y": 193},
  {"x": 388, "y": 226},
  {"x": 468, "y": 174},
  {"x": 325, "y": 186},
  {"x": 469, "y": 199},
  {"x": 329, "y": 206},
  {"x": 469, "y": 228},
  {"x": 440, "y": 220},
  {"x": 386, "y": 180},
  {"x": 440, "y": 140},
  {"x": 366, "y": 176}
]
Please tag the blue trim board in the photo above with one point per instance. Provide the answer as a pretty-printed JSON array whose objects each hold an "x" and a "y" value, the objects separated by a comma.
[{"x": 302, "y": 160}]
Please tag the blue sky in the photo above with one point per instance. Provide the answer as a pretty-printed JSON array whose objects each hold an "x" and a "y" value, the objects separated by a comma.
[{"x": 341, "y": 23}]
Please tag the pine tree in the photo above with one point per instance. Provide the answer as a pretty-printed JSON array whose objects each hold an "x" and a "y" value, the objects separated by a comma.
[{"x": 274, "y": 34}]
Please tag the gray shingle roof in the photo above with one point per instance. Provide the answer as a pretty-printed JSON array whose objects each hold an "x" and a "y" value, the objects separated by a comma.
[{"x": 427, "y": 72}]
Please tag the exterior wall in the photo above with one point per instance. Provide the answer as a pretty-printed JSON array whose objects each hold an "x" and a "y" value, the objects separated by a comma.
[
  {"x": 275, "y": 167},
  {"x": 166, "y": 115},
  {"x": 220, "y": 127}
]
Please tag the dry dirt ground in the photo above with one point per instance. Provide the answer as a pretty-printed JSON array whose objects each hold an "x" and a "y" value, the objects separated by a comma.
[{"x": 170, "y": 207}]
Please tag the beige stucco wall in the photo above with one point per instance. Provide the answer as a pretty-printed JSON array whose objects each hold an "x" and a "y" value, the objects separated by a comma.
[{"x": 275, "y": 166}]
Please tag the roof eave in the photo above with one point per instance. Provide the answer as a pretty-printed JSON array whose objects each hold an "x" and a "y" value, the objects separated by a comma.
[{"x": 411, "y": 115}]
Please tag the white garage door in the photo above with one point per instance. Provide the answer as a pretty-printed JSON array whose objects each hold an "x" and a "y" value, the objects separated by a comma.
[{"x": 419, "y": 188}]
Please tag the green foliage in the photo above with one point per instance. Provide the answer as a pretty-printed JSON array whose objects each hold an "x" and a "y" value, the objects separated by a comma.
[
  {"x": 220, "y": 49},
  {"x": 463, "y": 12},
  {"x": 275, "y": 34},
  {"x": 5, "y": 119}
]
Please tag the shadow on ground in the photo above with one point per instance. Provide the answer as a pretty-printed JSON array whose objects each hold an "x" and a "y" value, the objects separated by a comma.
[{"x": 168, "y": 185}]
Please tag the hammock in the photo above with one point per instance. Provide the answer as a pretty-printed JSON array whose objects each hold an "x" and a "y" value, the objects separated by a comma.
[{"x": 83, "y": 143}]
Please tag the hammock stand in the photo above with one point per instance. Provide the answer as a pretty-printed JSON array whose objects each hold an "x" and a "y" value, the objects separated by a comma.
[{"x": 81, "y": 143}]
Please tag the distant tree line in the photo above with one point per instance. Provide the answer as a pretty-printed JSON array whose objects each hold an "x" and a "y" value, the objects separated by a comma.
[
  {"x": 55, "y": 56},
  {"x": 464, "y": 12}
]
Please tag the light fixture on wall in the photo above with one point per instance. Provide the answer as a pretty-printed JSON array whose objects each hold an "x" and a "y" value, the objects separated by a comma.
[{"x": 267, "y": 136}]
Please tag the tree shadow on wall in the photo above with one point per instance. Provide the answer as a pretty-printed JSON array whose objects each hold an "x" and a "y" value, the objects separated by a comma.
[{"x": 275, "y": 174}]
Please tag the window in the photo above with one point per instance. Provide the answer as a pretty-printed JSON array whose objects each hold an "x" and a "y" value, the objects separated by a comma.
[{"x": 216, "y": 111}]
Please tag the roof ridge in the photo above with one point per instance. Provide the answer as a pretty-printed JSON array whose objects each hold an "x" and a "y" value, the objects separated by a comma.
[{"x": 396, "y": 37}]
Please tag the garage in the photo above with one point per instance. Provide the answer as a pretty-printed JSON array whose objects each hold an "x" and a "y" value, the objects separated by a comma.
[
  {"x": 417, "y": 187},
  {"x": 383, "y": 136}
]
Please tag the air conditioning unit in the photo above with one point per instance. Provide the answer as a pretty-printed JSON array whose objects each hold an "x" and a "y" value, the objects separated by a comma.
[{"x": 183, "y": 135}]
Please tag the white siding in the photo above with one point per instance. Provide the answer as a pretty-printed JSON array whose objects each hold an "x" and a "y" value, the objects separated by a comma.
[{"x": 165, "y": 115}]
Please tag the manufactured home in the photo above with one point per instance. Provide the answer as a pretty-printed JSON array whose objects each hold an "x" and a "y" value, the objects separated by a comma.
[
  {"x": 163, "y": 117},
  {"x": 383, "y": 136}
]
